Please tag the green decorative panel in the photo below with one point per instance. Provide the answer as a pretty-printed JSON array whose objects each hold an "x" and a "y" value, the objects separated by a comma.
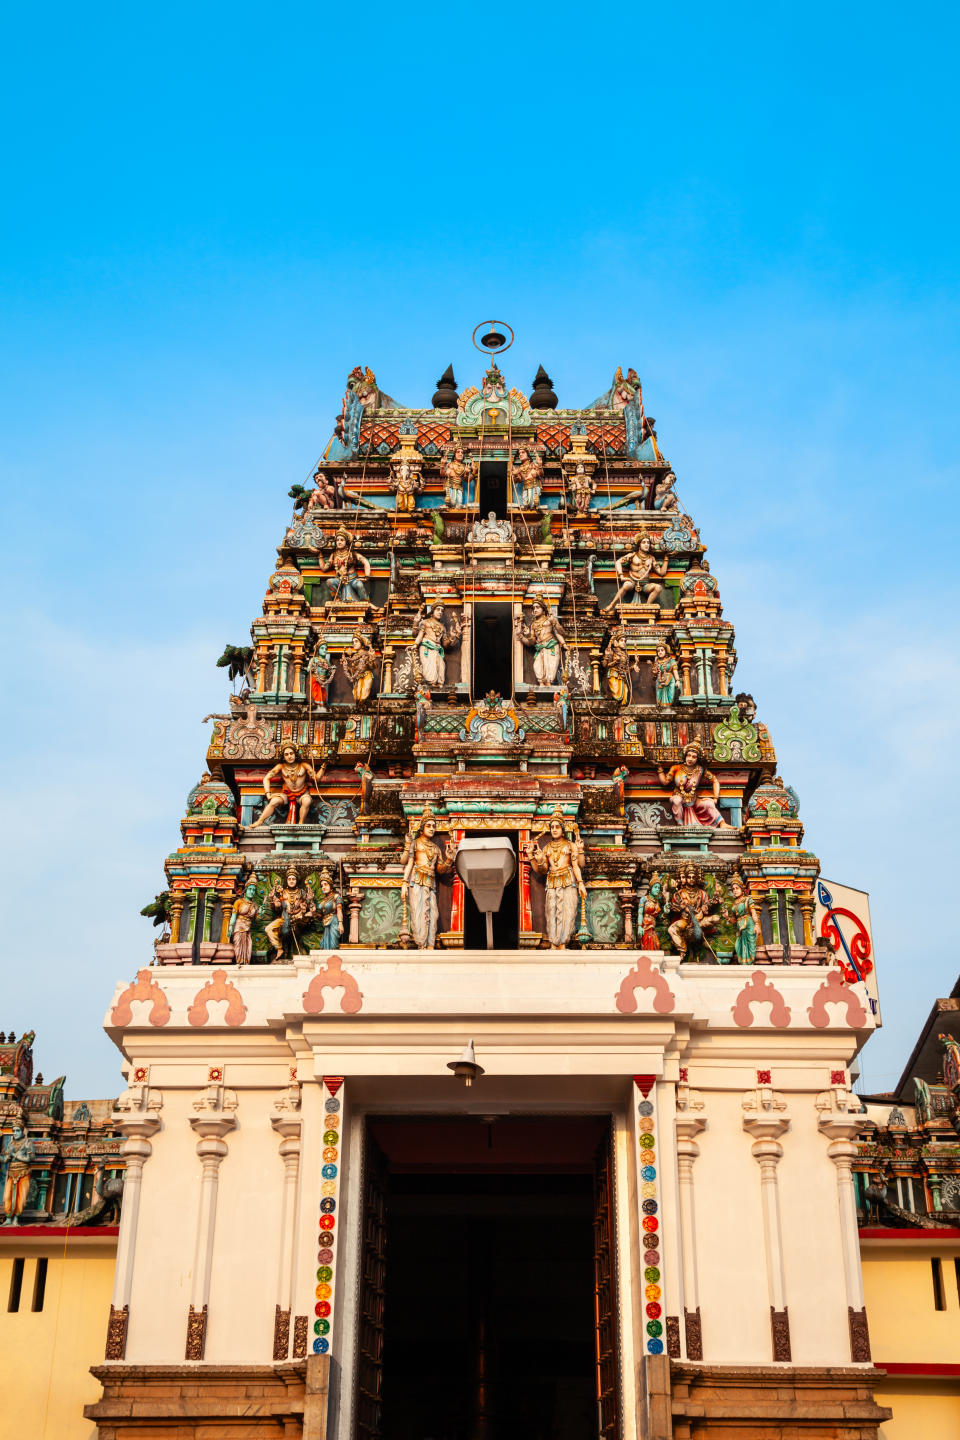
[{"x": 381, "y": 915}]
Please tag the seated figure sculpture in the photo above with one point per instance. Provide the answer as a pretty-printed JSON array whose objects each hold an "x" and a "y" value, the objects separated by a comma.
[{"x": 294, "y": 775}]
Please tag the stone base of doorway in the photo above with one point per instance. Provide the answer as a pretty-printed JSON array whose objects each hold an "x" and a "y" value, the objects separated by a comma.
[
  {"x": 202, "y": 1402},
  {"x": 707, "y": 1402}
]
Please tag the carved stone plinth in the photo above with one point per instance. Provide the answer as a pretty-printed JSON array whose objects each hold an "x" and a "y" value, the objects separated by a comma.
[{"x": 759, "y": 1402}]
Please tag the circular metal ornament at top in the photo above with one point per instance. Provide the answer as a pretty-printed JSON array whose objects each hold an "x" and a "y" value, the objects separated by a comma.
[{"x": 494, "y": 342}]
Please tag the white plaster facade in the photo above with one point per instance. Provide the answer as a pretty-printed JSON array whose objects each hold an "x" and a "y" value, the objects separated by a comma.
[{"x": 228, "y": 1120}]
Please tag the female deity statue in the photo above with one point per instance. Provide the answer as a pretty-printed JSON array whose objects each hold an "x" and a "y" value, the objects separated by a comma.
[
  {"x": 696, "y": 914},
  {"x": 456, "y": 474},
  {"x": 528, "y": 479},
  {"x": 343, "y": 563},
  {"x": 546, "y": 639},
  {"x": 560, "y": 860},
  {"x": 641, "y": 576},
  {"x": 744, "y": 911},
  {"x": 244, "y": 912},
  {"x": 320, "y": 670},
  {"x": 649, "y": 940},
  {"x": 418, "y": 890},
  {"x": 330, "y": 911},
  {"x": 405, "y": 481},
  {"x": 294, "y": 775},
  {"x": 684, "y": 783},
  {"x": 616, "y": 661},
  {"x": 666, "y": 676},
  {"x": 431, "y": 639},
  {"x": 294, "y": 907},
  {"x": 358, "y": 663}
]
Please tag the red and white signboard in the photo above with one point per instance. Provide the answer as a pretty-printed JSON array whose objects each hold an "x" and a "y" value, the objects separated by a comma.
[{"x": 842, "y": 916}]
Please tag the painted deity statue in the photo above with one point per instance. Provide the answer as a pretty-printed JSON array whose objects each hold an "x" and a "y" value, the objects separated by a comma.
[
  {"x": 431, "y": 639},
  {"x": 294, "y": 908},
  {"x": 405, "y": 481},
  {"x": 640, "y": 576},
  {"x": 616, "y": 661},
  {"x": 16, "y": 1187},
  {"x": 546, "y": 639},
  {"x": 528, "y": 479},
  {"x": 456, "y": 474},
  {"x": 663, "y": 496},
  {"x": 320, "y": 671},
  {"x": 743, "y": 910},
  {"x": 685, "y": 783},
  {"x": 652, "y": 905},
  {"x": 344, "y": 567},
  {"x": 242, "y": 916},
  {"x": 358, "y": 663},
  {"x": 697, "y": 916},
  {"x": 330, "y": 911},
  {"x": 293, "y": 775},
  {"x": 560, "y": 860},
  {"x": 582, "y": 489},
  {"x": 324, "y": 497},
  {"x": 666, "y": 677},
  {"x": 418, "y": 890}
]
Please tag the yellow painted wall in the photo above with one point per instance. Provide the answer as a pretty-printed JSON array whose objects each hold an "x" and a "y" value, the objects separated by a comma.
[
  {"x": 906, "y": 1326},
  {"x": 46, "y": 1356},
  {"x": 898, "y": 1287},
  {"x": 921, "y": 1410}
]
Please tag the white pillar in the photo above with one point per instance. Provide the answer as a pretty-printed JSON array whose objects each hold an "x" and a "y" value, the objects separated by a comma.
[
  {"x": 287, "y": 1122},
  {"x": 765, "y": 1120},
  {"x": 136, "y": 1117},
  {"x": 842, "y": 1123},
  {"x": 688, "y": 1126},
  {"x": 215, "y": 1118}
]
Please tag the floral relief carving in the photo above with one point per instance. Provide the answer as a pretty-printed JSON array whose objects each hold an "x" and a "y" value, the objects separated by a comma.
[
  {"x": 759, "y": 990},
  {"x": 333, "y": 977},
  {"x": 645, "y": 976},
  {"x": 144, "y": 987},
  {"x": 835, "y": 991},
  {"x": 218, "y": 988}
]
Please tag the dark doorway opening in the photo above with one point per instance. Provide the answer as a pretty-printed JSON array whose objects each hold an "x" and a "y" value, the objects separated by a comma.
[
  {"x": 493, "y": 488},
  {"x": 492, "y": 650},
  {"x": 490, "y": 1238},
  {"x": 506, "y": 921}
]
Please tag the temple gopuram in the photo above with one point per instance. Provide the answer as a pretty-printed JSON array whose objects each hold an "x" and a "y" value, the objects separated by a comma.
[{"x": 491, "y": 1075}]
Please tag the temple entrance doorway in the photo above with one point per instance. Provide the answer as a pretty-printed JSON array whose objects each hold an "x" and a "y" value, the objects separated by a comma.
[{"x": 488, "y": 1303}]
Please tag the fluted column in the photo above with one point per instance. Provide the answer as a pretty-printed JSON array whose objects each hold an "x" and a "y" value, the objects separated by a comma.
[
  {"x": 137, "y": 1118},
  {"x": 287, "y": 1122},
  {"x": 842, "y": 1123},
  {"x": 215, "y": 1118},
  {"x": 688, "y": 1126},
  {"x": 765, "y": 1119}
]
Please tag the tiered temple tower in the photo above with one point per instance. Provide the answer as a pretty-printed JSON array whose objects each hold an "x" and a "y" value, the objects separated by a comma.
[{"x": 488, "y": 778}]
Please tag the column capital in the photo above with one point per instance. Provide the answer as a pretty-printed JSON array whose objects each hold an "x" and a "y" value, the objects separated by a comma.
[
  {"x": 137, "y": 1115},
  {"x": 216, "y": 1114},
  {"x": 286, "y": 1118},
  {"x": 765, "y": 1118}
]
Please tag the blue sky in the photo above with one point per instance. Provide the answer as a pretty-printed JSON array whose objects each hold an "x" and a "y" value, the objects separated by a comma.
[{"x": 210, "y": 214}]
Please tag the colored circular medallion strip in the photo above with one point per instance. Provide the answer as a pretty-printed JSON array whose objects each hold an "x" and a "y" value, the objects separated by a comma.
[
  {"x": 649, "y": 1208},
  {"x": 330, "y": 1173}
]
